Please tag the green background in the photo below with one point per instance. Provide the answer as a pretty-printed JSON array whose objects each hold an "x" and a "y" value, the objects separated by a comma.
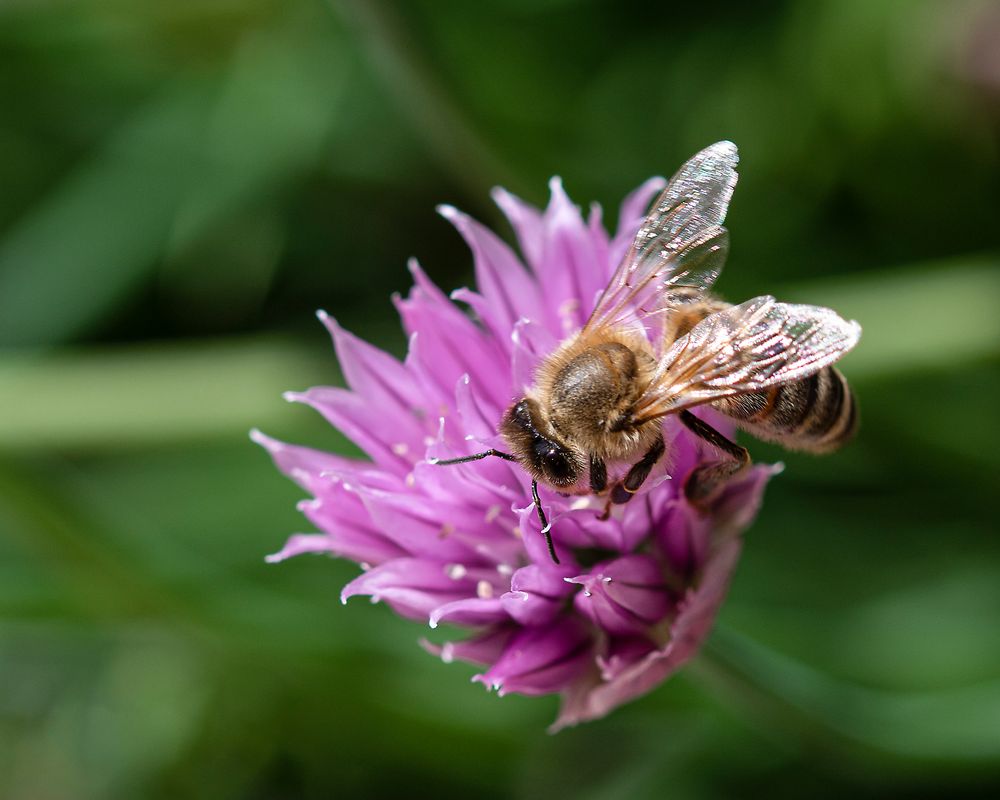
[{"x": 185, "y": 182}]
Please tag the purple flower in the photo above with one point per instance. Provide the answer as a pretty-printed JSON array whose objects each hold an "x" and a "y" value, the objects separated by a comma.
[{"x": 634, "y": 595}]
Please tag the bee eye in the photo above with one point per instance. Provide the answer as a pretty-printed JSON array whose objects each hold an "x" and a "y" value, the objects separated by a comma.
[{"x": 555, "y": 462}]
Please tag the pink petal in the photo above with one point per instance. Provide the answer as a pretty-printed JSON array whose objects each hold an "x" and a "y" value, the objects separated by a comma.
[
  {"x": 484, "y": 648},
  {"x": 538, "y": 595},
  {"x": 622, "y": 653},
  {"x": 509, "y": 290},
  {"x": 412, "y": 586},
  {"x": 541, "y": 660},
  {"x": 625, "y": 596},
  {"x": 469, "y": 611},
  {"x": 570, "y": 273},
  {"x": 451, "y": 344},
  {"x": 348, "y": 529},
  {"x": 694, "y": 620},
  {"x": 526, "y": 220},
  {"x": 391, "y": 448},
  {"x": 302, "y": 543},
  {"x": 453, "y": 533},
  {"x": 299, "y": 463}
]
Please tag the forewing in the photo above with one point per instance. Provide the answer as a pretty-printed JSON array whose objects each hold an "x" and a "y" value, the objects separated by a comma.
[
  {"x": 681, "y": 246},
  {"x": 745, "y": 348}
]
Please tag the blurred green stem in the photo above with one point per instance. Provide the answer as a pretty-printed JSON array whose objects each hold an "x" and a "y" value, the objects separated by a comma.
[
  {"x": 157, "y": 393},
  {"x": 410, "y": 81},
  {"x": 950, "y": 725},
  {"x": 103, "y": 585},
  {"x": 924, "y": 316}
]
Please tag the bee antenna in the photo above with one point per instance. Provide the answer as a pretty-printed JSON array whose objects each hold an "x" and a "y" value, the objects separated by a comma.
[
  {"x": 477, "y": 457},
  {"x": 546, "y": 527}
]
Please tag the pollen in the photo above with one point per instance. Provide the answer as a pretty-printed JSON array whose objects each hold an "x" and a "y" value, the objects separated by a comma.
[{"x": 567, "y": 311}]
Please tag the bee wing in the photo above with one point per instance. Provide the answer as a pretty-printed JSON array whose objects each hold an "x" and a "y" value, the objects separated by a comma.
[
  {"x": 745, "y": 348},
  {"x": 679, "y": 251}
]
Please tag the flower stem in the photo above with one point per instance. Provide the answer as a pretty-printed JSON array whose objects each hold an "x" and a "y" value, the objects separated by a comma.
[
  {"x": 411, "y": 82},
  {"x": 953, "y": 725}
]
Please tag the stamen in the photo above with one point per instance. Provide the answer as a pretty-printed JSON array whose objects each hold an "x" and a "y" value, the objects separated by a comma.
[{"x": 484, "y": 590}]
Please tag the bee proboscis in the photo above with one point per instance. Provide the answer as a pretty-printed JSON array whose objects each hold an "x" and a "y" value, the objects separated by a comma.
[{"x": 658, "y": 343}]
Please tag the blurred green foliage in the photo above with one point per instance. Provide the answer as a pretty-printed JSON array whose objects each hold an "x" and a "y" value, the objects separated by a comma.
[{"x": 185, "y": 182}]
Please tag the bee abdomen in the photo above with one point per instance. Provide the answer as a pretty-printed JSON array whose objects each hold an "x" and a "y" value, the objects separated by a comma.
[{"x": 816, "y": 414}]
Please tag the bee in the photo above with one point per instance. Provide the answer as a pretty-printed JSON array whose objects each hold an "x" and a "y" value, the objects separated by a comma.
[{"x": 658, "y": 344}]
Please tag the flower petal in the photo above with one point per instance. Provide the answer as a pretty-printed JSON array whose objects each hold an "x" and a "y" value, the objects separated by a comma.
[
  {"x": 414, "y": 587},
  {"x": 451, "y": 345},
  {"x": 348, "y": 529},
  {"x": 571, "y": 274},
  {"x": 694, "y": 620},
  {"x": 302, "y": 543},
  {"x": 541, "y": 660},
  {"x": 526, "y": 220},
  {"x": 299, "y": 463},
  {"x": 509, "y": 290},
  {"x": 484, "y": 648},
  {"x": 624, "y": 596},
  {"x": 469, "y": 611},
  {"x": 538, "y": 595},
  {"x": 392, "y": 449}
]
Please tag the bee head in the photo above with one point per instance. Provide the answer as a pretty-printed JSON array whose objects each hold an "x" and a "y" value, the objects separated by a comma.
[{"x": 546, "y": 458}]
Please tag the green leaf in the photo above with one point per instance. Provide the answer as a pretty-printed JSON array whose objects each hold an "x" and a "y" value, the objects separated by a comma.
[
  {"x": 954, "y": 724},
  {"x": 142, "y": 395}
]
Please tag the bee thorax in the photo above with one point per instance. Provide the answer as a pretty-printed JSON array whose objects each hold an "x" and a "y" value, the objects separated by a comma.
[{"x": 589, "y": 399}]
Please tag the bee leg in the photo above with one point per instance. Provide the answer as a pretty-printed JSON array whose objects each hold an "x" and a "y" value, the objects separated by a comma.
[
  {"x": 705, "y": 482},
  {"x": 599, "y": 482},
  {"x": 598, "y": 475},
  {"x": 637, "y": 475},
  {"x": 546, "y": 527}
]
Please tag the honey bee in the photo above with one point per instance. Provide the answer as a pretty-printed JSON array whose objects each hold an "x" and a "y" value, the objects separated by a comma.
[{"x": 658, "y": 343}]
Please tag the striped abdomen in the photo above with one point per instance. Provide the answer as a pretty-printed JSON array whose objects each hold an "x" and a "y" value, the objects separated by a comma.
[{"x": 816, "y": 414}]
